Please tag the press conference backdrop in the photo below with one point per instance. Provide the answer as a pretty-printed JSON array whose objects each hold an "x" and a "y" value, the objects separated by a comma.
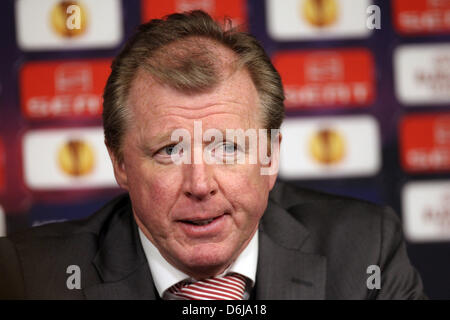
[{"x": 368, "y": 96}]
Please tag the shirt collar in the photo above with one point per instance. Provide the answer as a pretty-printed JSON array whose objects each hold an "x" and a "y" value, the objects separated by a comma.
[{"x": 165, "y": 275}]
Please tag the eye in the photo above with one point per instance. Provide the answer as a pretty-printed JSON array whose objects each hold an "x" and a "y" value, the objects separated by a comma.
[
  {"x": 168, "y": 150},
  {"x": 226, "y": 149},
  {"x": 229, "y": 148}
]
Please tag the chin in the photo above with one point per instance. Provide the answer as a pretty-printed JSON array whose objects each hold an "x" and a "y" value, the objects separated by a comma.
[{"x": 208, "y": 259}]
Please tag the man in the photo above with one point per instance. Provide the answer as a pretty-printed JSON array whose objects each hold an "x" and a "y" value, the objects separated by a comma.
[{"x": 196, "y": 223}]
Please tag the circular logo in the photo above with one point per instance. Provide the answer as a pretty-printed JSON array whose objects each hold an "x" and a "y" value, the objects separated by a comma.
[
  {"x": 68, "y": 19},
  {"x": 327, "y": 146},
  {"x": 76, "y": 158},
  {"x": 320, "y": 13}
]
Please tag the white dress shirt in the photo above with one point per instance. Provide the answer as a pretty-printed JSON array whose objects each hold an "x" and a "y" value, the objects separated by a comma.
[{"x": 165, "y": 275}]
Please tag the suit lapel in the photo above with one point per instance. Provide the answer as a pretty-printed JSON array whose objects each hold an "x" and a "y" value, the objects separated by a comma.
[
  {"x": 121, "y": 262},
  {"x": 137, "y": 286},
  {"x": 285, "y": 272}
]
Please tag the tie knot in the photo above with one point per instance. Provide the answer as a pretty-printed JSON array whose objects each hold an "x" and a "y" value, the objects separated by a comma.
[{"x": 229, "y": 287}]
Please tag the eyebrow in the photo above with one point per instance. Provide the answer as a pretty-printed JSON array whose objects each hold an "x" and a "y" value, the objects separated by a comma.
[
  {"x": 147, "y": 144},
  {"x": 158, "y": 139}
]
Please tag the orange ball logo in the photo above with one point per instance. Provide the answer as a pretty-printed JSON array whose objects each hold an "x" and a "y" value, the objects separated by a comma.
[
  {"x": 68, "y": 19},
  {"x": 320, "y": 13},
  {"x": 76, "y": 158},
  {"x": 327, "y": 146}
]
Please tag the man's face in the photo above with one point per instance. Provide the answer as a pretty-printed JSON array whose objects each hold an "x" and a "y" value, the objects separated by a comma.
[{"x": 200, "y": 216}]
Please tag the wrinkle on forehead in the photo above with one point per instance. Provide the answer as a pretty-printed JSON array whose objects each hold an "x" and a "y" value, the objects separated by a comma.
[
  {"x": 164, "y": 125},
  {"x": 151, "y": 100}
]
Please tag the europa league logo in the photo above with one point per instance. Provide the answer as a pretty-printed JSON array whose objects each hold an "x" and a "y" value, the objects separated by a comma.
[
  {"x": 76, "y": 158},
  {"x": 327, "y": 146},
  {"x": 68, "y": 19},
  {"x": 320, "y": 13}
]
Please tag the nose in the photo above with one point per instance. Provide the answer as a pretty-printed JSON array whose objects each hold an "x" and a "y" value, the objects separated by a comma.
[{"x": 199, "y": 182}]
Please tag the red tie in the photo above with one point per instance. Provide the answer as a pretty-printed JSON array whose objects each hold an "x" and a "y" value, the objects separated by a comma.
[{"x": 229, "y": 287}]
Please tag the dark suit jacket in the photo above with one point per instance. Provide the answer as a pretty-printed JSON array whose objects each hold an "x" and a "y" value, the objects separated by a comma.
[{"x": 311, "y": 246}]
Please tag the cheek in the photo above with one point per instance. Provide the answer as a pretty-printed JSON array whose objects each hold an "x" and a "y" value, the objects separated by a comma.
[
  {"x": 246, "y": 189},
  {"x": 153, "y": 192}
]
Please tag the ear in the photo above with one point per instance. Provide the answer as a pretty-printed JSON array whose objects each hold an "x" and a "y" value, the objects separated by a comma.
[
  {"x": 119, "y": 170},
  {"x": 275, "y": 161}
]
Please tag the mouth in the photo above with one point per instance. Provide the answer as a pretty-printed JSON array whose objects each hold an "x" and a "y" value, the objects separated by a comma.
[
  {"x": 205, "y": 227},
  {"x": 200, "y": 222}
]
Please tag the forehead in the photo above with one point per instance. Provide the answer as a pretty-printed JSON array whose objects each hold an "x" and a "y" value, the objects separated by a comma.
[{"x": 233, "y": 103}]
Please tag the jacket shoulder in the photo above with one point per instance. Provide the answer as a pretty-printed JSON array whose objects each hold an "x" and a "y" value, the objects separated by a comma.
[
  {"x": 308, "y": 206},
  {"x": 353, "y": 235},
  {"x": 44, "y": 253},
  {"x": 93, "y": 224}
]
